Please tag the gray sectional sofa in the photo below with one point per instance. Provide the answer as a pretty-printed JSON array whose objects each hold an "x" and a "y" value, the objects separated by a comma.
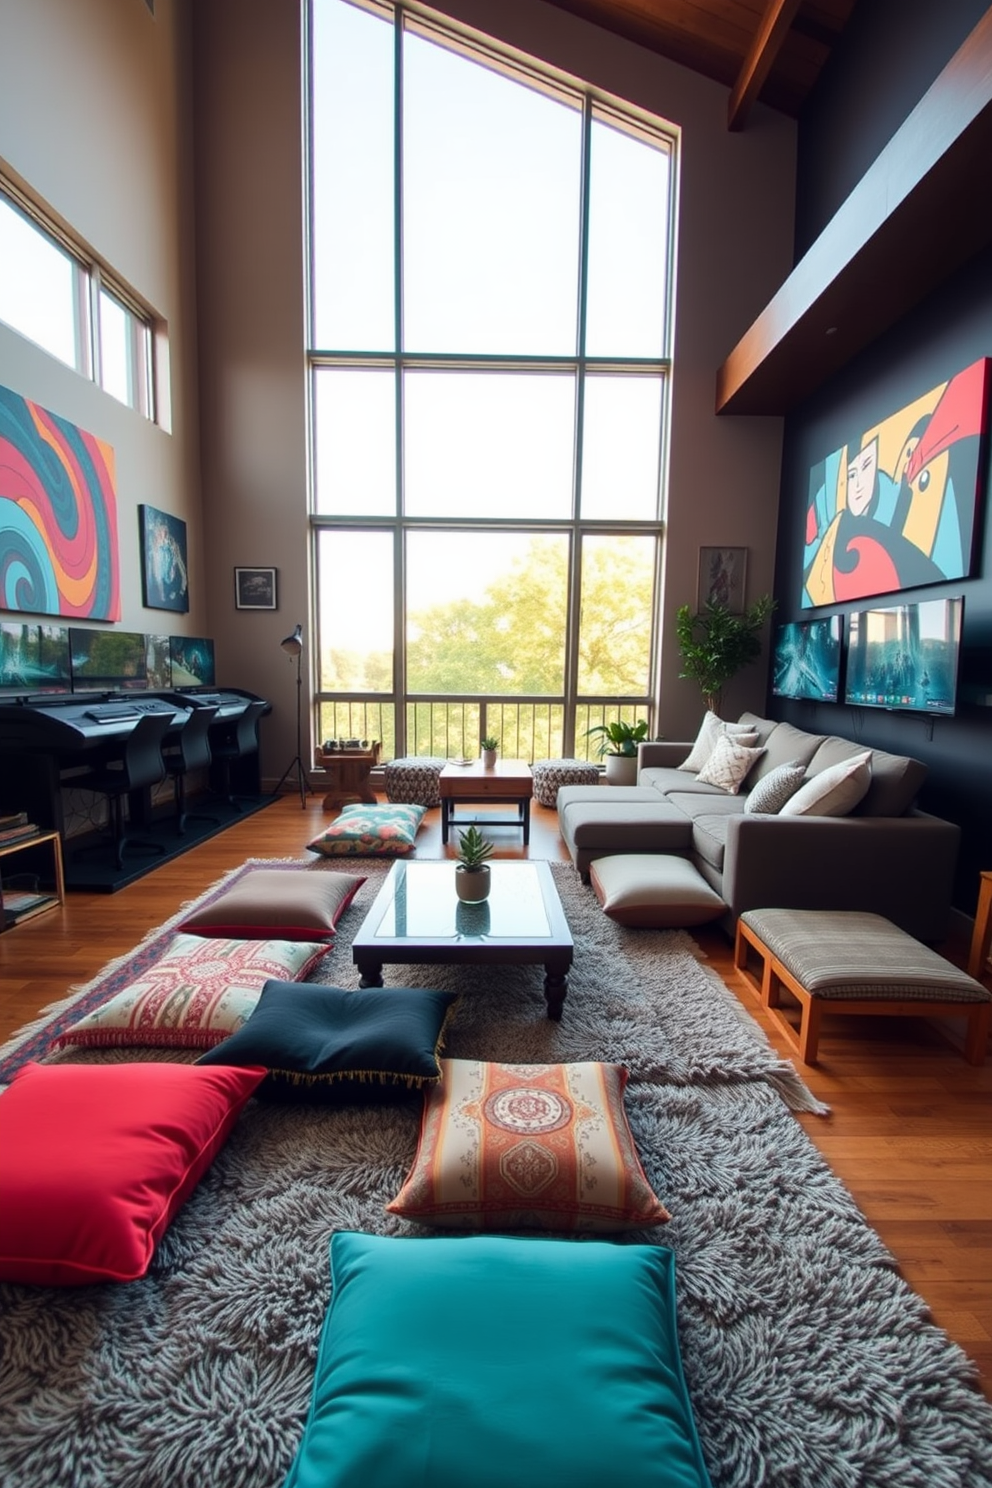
[{"x": 886, "y": 857}]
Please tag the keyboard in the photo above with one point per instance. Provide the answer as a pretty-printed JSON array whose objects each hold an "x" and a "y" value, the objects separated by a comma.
[{"x": 109, "y": 712}]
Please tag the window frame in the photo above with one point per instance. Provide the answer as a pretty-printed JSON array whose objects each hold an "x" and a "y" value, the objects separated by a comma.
[{"x": 595, "y": 106}]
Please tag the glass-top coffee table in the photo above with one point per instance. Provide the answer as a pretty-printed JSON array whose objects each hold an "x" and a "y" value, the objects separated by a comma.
[{"x": 418, "y": 919}]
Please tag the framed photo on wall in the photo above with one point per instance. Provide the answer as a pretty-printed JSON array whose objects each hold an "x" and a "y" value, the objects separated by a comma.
[
  {"x": 722, "y": 574},
  {"x": 255, "y": 589},
  {"x": 164, "y": 576}
]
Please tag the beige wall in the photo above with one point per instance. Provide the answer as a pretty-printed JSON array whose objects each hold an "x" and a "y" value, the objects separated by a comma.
[
  {"x": 94, "y": 125},
  {"x": 112, "y": 160}
]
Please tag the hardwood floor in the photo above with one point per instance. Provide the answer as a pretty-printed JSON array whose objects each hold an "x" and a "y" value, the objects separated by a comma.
[{"x": 909, "y": 1132}]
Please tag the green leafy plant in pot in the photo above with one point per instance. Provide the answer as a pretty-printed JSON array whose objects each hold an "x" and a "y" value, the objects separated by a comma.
[
  {"x": 619, "y": 746},
  {"x": 715, "y": 643},
  {"x": 490, "y": 744},
  {"x": 472, "y": 872}
]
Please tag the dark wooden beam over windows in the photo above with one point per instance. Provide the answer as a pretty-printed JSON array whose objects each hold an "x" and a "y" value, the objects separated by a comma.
[
  {"x": 767, "y": 44},
  {"x": 920, "y": 211}
]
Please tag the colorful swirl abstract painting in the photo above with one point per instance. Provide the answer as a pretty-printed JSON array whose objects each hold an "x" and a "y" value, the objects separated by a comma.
[{"x": 58, "y": 516}]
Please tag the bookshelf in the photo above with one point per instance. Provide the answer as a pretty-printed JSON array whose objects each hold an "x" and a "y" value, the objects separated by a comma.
[{"x": 20, "y": 902}]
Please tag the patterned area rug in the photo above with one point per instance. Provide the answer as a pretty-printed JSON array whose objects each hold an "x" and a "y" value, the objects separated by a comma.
[{"x": 808, "y": 1360}]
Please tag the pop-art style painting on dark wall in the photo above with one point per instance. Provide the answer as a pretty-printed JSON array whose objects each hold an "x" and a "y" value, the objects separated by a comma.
[
  {"x": 58, "y": 516},
  {"x": 896, "y": 506}
]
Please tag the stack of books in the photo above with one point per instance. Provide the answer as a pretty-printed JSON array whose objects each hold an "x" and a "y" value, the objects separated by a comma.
[{"x": 15, "y": 827}]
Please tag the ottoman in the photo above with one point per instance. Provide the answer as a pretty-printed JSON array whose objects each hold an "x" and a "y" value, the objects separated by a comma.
[
  {"x": 550, "y": 774},
  {"x": 654, "y": 891},
  {"x": 599, "y": 823},
  {"x": 414, "y": 779},
  {"x": 845, "y": 961}
]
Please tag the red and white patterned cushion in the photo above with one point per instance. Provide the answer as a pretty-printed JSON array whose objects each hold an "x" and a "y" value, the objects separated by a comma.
[
  {"x": 528, "y": 1146},
  {"x": 201, "y": 991}
]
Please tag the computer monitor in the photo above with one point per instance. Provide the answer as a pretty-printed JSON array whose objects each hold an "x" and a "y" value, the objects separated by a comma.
[
  {"x": 34, "y": 658},
  {"x": 807, "y": 660},
  {"x": 108, "y": 660},
  {"x": 192, "y": 661},
  {"x": 905, "y": 656},
  {"x": 158, "y": 662}
]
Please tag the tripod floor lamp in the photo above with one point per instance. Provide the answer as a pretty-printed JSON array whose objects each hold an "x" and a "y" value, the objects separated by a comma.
[{"x": 293, "y": 647}]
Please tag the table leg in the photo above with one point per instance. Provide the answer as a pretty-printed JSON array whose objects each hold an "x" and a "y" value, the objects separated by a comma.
[
  {"x": 555, "y": 991},
  {"x": 982, "y": 934},
  {"x": 445, "y": 817},
  {"x": 370, "y": 973},
  {"x": 525, "y": 813}
]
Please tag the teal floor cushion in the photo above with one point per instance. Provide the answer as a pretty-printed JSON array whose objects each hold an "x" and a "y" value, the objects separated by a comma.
[{"x": 487, "y": 1360}]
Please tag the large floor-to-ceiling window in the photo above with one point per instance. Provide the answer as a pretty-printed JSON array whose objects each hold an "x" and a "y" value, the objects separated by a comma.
[{"x": 489, "y": 343}]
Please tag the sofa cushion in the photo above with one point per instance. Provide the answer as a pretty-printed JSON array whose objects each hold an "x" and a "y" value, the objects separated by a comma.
[
  {"x": 770, "y": 794},
  {"x": 709, "y": 838},
  {"x": 834, "y": 791},
  {"x": 654, "y": 890},
  {"x": 895, "y": 778},
  {"x": 782, "y": 745},
  {"x": 668, "y": 783},
  {"x": 711, "y": 729},
  {"x": 729, "y": 763}
]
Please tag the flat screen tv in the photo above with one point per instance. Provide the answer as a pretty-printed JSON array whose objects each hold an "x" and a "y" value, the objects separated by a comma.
[
  {"x": 158, "y": 662},
  {"x": 806, "y": 662},
  {"x": 905, "y": 656},
  {"x": 34, "y": 658},
  {"x": 192, "y": 661},
  {"x": 108, "y": 660}
]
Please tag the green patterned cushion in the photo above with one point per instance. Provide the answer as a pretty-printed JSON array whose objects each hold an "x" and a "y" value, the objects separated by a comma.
[{"x": 371, "y": 831}]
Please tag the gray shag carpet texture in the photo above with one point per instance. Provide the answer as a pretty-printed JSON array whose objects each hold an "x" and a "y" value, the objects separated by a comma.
[{"x": 808, "y": 1360}]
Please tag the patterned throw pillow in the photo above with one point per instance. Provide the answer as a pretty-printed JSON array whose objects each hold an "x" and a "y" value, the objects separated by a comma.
[
  {"x": 528, "y": 1146},
  {"x": 325, "y": 1043},
  {"x": 371, "y": 831},
  {"x": 272, "y": 902},
  {"x": 711, "y": 730},
  {"x": 96, "y": 1159},
  {"x": 196, "y": 995},
  {"x": 771, "y": 793},
  {"x": 728, "y": 764}
]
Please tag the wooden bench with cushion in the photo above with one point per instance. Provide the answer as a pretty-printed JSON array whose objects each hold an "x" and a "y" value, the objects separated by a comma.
[{"x": 846, "y": 961}]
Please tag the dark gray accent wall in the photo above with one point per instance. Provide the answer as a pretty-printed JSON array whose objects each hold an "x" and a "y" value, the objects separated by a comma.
[
  {"x": 853, "y": 113},
  {"x": 890, "y": 53}
]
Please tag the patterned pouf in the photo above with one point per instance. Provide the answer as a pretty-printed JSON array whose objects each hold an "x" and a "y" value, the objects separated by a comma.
[
  {"x": 414, "y": 778},
  {"x": 550, "y": 774}
]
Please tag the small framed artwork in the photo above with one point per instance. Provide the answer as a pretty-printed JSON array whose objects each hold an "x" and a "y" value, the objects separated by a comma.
[
  {"x": 255, "y": 589},
  {"x": 722, "y": 573},
  {"x": 164, "y": 576}
]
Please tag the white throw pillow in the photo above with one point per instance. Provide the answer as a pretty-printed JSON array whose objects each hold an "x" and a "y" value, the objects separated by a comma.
[
  {"x": 771, "y": 793},
  {"x": 834, "y": 791},
  {"x": 728, "y": 764},
  {"x": 711, "y": 729}
]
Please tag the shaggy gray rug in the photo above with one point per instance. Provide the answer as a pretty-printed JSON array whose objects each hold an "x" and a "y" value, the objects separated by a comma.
[{"x": 808, "y": 1360}]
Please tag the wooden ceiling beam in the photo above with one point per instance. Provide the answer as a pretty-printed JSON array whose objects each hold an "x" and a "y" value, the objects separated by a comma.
[
  {"x": 767, "y": 43},
  {"x": 919, "y": 212}
]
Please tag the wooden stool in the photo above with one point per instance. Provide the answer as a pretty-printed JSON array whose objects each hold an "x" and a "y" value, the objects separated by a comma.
[
  {"x": 847, "y": 962},
  {"x": 982, "y": 934},
  {"x": 348, "y": 771}
]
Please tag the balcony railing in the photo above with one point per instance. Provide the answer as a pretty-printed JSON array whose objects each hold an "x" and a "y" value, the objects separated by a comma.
[{"x": 451, "y": 728}]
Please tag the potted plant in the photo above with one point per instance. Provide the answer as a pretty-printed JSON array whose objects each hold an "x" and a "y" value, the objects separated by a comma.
[
  {"x": 472, "y": 872},
  {"x": 619, "y": 746},
  {"x": 490, "y": 744},
  {"x": 715, "y": 643}
]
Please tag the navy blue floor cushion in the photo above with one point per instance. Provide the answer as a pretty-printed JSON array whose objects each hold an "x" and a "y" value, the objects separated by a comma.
[{"x": 326, "y": 1043}]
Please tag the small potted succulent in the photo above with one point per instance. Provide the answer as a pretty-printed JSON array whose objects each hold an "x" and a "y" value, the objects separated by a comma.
[
  {"x": 619, "y": 745},
  {"x": 472, "y": 872},
  {"x": 490, "y": 744}
]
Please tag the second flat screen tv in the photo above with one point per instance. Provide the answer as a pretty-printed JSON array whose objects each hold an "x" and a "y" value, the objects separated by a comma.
[
  {"x": 806, "y": 663},
  {"x": 192, "y": 661},
  {"x": 905, "y": 656}
]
